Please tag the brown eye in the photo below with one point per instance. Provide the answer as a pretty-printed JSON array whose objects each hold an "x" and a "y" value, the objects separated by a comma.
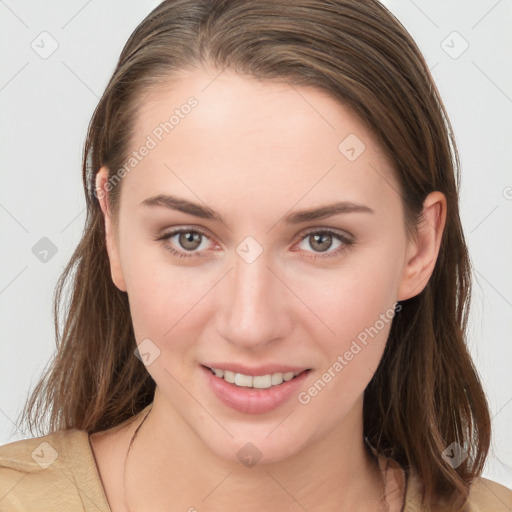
[
  {"x": 321, "y": 242},
  {"x": 186, "y": 242},
  {"x": 190, "y": 240}
]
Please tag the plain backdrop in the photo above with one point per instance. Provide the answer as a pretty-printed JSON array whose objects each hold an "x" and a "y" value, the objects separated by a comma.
[{"x": 55, "y": 60}]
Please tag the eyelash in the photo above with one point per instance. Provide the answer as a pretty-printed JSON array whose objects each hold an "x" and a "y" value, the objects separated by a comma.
[{"x": 346, "y": 242}]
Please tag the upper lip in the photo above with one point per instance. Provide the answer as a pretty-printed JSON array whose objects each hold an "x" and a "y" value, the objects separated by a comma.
[{"x": 256, "y": 370}]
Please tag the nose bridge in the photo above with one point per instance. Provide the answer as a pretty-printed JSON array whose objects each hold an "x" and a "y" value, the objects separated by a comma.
[{"x": 255, "y": 310}]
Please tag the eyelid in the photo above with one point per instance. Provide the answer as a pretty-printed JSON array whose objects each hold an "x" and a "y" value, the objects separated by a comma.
[
  {"x": 167, "y": 235},
  {"x": 325, "y": 229},
  {"x": 345, "y": 238}
]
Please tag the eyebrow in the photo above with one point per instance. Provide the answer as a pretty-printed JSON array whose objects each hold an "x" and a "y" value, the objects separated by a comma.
[{"x": 204, "y": 212}]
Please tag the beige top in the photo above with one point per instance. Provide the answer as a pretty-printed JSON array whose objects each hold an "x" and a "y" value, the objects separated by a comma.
[{"x": 58, "y": 473}]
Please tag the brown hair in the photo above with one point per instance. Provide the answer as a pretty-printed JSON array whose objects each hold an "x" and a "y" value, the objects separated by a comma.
[{"x": 425, "y": 393}]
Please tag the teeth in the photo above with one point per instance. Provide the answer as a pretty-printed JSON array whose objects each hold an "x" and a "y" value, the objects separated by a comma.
[
  {"x": 276, "y": 378},
  {"x": 243, "y": 380},
  {"x": 258, "y": 381},
  {"x": 262, "y": 381},
  {"x": 229, "y": 376}
]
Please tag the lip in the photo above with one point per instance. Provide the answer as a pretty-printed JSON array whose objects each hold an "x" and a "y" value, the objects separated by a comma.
[
  {"x": 255, "y": 370},
  {"x": 252, "y": 400}
]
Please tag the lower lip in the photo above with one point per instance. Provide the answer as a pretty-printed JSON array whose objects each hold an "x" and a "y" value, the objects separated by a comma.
[{"x": 252, "y": 400}]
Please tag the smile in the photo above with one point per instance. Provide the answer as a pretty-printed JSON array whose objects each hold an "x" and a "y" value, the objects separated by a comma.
[{"x": 256, "y": 381}]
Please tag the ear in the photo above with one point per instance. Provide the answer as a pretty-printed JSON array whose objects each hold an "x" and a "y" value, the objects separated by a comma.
[
  {"x": 423, "y": 250},
  {"x": 102, "y": 190}
]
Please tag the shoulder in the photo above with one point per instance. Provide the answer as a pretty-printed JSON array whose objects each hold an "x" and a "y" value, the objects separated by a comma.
[
  {"x": 52, "y": 472},
  {"x": 486, "y": 496}
]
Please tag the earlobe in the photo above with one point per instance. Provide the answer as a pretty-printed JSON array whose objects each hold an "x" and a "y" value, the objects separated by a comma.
[
  {"x": 422, "y": 252},
  {"x": 102, "y": 193}
]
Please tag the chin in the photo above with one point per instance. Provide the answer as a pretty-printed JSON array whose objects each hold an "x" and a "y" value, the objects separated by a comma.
[{"x": 256, "y": 448}]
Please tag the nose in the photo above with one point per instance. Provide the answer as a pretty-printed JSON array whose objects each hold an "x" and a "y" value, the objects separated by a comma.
[{"x": 255, "y": 305}]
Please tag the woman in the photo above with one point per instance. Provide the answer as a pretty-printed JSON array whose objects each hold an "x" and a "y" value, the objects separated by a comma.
[{"x": 269, "y": 301}]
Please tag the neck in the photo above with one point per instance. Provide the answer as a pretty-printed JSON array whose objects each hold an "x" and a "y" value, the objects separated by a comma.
[{"x": 168, "y": 463}]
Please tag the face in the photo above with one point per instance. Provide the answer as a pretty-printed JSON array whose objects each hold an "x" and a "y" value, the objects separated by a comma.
[{"x": 261, "y": 234}]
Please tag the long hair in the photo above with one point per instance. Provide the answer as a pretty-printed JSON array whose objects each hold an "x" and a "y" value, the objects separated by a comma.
[{"x": 426, "y": 393}]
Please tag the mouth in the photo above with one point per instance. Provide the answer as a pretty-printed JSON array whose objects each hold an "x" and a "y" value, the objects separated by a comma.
[
  {"x": 251, "y": 390},
  {"x": 264, "y": 381}
]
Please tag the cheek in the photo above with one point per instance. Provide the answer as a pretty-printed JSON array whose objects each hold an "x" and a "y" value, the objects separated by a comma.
[
  {"x": 161, "y": 303},
  {"x": 167, "y": 301},
  {"x": 156, "y": 291},
  {"x": 359, "y": 307},
  {"x": 356, "y": 307},
  {"x": 163, "y": 310}
]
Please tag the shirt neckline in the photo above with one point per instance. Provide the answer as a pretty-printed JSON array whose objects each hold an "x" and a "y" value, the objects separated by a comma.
[
  {"x": 86, "y": 473},
  {"x": 90, "y": 486}
]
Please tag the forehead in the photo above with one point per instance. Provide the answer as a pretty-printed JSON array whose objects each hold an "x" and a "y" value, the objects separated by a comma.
[{"x": 222, "y": 136}]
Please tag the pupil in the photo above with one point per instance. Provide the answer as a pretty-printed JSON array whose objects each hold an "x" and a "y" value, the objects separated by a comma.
[
  {"x": 190, "y": 240},
  {"x": 321, "y": 242}
]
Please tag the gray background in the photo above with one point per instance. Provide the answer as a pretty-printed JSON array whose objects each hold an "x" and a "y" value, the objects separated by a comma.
[{"x": 46, "y": 102}]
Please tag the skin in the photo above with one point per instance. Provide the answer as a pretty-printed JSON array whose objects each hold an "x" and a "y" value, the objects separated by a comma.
[{"x": 254, "y": 152}]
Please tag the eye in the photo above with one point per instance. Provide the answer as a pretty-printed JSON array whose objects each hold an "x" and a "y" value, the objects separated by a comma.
[
  {"x": 320, "y": 243},
  {"x": 185, "y": 242},
  {"x": 324, "y": 243}
]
